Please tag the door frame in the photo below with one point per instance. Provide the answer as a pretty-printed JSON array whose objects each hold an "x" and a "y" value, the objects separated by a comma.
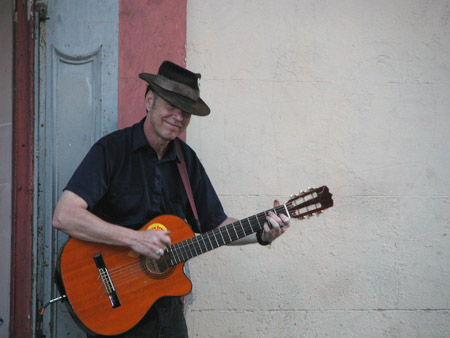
[{"x": 21, "y": 314}]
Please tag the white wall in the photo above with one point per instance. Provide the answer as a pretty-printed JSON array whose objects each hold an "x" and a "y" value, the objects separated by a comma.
[
  {"x": 351, "y": 94},
  {"x": 6, "y": 117}
]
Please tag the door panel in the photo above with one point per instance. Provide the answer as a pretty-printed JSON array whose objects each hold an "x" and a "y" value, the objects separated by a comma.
[{"x": 77, "y": 104}]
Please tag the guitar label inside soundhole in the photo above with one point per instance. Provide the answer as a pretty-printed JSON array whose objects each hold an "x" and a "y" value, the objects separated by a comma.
[{"x": 156, "y": 268}]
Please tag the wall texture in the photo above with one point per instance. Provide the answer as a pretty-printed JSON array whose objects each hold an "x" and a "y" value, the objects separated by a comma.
[{"x": 354, "y": 95}]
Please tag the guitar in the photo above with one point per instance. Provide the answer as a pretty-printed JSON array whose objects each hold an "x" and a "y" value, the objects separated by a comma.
[{"x": 109, "y": 288}]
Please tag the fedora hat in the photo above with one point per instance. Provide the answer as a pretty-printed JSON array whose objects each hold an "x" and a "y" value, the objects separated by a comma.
[{"x": 179, "y": 87}]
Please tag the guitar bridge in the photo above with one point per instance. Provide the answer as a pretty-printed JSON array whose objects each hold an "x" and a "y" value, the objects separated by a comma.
[{"x": 106, "y": 280}]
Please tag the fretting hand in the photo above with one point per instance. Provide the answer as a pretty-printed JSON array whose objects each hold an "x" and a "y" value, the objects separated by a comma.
[{"x": 275, "y": 226}]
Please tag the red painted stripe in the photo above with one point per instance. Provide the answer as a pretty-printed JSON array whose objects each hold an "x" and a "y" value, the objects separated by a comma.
[
  {"x": 149, "y": 33},
  {"x": 21, "y": 266}
]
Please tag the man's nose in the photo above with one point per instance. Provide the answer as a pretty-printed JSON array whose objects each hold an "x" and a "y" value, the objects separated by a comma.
[{"x": 178, "y": 115}]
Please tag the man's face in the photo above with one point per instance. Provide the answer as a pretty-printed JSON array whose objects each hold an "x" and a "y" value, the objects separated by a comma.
[{"x": 166, "y": 121}]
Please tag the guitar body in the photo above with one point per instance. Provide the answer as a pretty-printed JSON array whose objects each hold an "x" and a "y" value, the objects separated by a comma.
[{"x": 137, "y": 281}]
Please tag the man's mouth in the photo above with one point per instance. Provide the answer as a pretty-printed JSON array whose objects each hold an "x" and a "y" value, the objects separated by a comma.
[{"x": 173, "y": 125}]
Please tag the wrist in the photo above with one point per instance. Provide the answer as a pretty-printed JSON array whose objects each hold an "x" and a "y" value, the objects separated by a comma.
[{"x": 259, "y": 238}]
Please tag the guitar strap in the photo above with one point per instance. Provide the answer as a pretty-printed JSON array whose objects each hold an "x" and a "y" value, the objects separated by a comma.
[{"x": 187, "y": 184}]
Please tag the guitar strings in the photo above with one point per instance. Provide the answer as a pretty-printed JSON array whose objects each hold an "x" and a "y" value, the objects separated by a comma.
[
  {"x": 121, "y": 274},
  {"x": 192, "y": 247},
  {"x": 188, "y": 248}
]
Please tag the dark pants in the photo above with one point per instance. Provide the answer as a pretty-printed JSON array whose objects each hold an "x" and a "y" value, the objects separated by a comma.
[{"x": 165, "y": 319}]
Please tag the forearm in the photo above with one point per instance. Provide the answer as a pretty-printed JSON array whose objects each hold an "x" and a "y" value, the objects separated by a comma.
[{"x": 72, "y": 217}]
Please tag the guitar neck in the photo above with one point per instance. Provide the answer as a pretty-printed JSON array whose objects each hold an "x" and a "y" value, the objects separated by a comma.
[{"x": 184, "y": 250}]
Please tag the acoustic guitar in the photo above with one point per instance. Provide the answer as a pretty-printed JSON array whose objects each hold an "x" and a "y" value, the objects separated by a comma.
[{"x": 109, "y": 288}]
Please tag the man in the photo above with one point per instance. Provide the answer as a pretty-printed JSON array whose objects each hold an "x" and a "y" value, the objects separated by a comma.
[{"x": 131, "y": 176}]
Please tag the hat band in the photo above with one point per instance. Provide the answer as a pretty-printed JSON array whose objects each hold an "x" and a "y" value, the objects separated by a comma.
[{"x": 177, "y": 87}]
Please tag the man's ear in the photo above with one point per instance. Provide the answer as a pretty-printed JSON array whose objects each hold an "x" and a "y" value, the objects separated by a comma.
[{"x": 149, "y": 97}]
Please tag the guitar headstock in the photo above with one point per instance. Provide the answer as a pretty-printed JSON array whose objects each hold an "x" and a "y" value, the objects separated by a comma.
[{"x": 310, "y": 202}]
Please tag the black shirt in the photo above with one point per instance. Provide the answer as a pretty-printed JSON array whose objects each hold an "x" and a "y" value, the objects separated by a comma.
[{"x": 123, "y": 182}]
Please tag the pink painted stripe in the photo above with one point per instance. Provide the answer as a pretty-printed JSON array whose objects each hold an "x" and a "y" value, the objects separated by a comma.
[{"x": 149, "y": 33}]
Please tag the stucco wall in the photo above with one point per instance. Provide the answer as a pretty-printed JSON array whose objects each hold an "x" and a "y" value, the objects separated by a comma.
[{"x": 354, "y": 95}]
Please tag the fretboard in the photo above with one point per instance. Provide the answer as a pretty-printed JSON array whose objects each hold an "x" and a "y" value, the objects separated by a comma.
[{"x": 182, "y": 251}]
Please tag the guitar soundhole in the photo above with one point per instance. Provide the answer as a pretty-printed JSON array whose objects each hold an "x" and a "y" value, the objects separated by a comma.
[{"x": 156, "y": 268}]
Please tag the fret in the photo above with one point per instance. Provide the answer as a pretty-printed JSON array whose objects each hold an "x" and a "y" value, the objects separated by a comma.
[
  {"x": 184, "y": 246},
  {"x": 209, "y": 239},
  {"x": 189, "y": 247},
  {"x": 219, "y": 242},
  {"x": 229, "y": 237},
  {"x": 203, "y": 239},
  {"x": 223, "y": 239},
  {"x": 234, "y": 228},
  {"x": 199, "y": 246},
  {"x": 184, "y": 252},
  {"x": 251, "y": 223},
  {"x": 179, "y": 252},
  {"x": 261, "y": 227},
  {"x": 286, "y": 211},
  {"x": 215, "y": 237},
  {"x": 243, "y": 229},
  {"x": 207, "y": 242},
  {"x": 265, "y": 220},
  {"x": 174, "y": 255},
  {"x": 255, "y": 224},
  {"x": 250, "y": 226},
  {"x": 193, "y": 244},
  {"x": 171, "y": 257}
]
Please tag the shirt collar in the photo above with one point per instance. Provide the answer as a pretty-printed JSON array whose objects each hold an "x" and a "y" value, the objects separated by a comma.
[{"x": 139, "y": 141}]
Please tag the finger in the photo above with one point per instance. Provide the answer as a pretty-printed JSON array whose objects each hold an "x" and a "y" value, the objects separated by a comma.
[
  {"x": 286, "y": 220},
  {"x": 165, "y": 238},
  {"x": 275, "y": 229},
  {"x": 276, "y": 203},
  {"x": 153, "y": 253},
  {"x": 274, "y": 219}
]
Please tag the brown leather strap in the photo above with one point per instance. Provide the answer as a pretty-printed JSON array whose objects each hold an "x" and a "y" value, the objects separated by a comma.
[{"x": 187, "y": 184}]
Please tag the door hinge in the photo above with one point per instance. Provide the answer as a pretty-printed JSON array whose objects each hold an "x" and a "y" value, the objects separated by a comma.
[{"x": 41, "y": 9}]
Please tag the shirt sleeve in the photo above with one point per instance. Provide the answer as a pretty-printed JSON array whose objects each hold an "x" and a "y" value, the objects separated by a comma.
[{"x": 90, "y": 179}]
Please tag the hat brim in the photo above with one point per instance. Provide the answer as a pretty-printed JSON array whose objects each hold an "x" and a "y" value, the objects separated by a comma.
[{"x": 183, "y": 103}]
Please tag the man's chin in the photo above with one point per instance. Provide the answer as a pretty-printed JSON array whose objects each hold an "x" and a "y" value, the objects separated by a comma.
[{"x": 170, "y": 136}]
